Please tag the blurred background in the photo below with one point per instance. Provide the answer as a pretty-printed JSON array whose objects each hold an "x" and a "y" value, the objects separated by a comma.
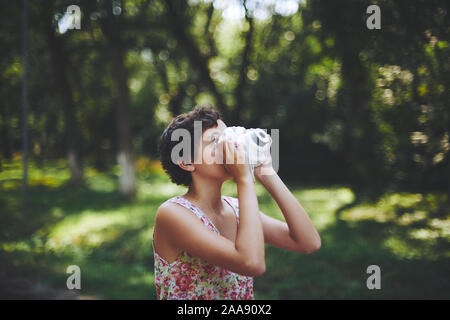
[{"x": 364, "y": 121}]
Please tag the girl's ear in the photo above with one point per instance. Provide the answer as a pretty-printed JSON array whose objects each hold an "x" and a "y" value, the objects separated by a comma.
[{"x": 186, "y": 166}]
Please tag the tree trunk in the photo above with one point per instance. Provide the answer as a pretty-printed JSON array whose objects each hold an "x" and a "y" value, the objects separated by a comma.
[
  {"x": 60, "y": 63},
  {"x": 111, "y": 26},
  {"x": 239, "y": 93},
  {"x": 360, "y": 133},
  {"x": 127, "y": 180}
]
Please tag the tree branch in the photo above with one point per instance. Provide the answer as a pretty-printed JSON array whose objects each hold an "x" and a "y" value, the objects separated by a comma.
[
  {"x": 239, "y": 92},
  {"x": 210, "y": 39},
  {"x": 179, "y": 26}
]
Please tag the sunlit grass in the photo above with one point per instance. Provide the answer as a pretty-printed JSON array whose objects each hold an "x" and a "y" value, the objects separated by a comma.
[
  {"x": 417, "y": 224},
  {"x": 50, "y": 175},
  {"x": 321, "y": 204},
  {"x": 87, "y": 229},
  {"x": 385, "y": 209}
]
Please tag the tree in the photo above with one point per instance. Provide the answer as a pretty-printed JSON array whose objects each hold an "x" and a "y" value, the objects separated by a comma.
[
  {"x": 112, "y": 26},
  {"x": 60, "y": 64}
]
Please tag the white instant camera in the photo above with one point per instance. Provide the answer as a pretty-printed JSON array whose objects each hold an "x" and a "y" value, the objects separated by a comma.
[{"x": 256, "y": 143}]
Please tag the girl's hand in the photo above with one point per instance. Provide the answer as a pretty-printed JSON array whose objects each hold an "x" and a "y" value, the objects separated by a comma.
[
  {"x": 265, "y": 169},
  {"x": 235, "y": 160}
]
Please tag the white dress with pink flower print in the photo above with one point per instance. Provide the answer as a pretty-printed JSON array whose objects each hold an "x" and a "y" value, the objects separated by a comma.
[{"x": 193, "y": 278}]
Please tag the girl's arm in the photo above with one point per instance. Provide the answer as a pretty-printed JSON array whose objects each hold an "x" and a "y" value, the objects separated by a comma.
[
  {"x": 250, "y": 235},
  {"x": 298, "y": 233}
]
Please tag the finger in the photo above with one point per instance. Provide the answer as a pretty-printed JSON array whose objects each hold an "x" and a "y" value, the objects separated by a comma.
[
  {"x": 241, "y": 154},
  {"x": 226, "y": 148},
  {"x": 230, "y": 152},
  {"x": 220, "y": 152}
]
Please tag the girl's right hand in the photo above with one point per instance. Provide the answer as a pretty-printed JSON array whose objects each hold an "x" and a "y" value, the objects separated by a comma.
[{"x": 235, "y": 160}]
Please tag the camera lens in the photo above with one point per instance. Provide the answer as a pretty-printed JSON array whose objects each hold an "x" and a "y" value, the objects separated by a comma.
[{"x": 261, "y": 137}]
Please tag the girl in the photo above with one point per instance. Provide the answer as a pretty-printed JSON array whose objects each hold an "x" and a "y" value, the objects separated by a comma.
[{"x": 210, "y": 246}]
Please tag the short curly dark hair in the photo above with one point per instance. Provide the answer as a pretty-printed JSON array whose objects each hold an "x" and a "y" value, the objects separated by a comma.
[{"x": 208, "y": 115}]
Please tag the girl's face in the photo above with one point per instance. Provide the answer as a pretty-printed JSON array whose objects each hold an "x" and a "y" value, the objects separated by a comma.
[{"x": 211, "y": 159}]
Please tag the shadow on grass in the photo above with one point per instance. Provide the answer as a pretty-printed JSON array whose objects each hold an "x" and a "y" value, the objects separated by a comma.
[
  {"x": 117, "y": 269},
  {"x": 47, "y": 205},
  {"x": 338, "y": 269}
]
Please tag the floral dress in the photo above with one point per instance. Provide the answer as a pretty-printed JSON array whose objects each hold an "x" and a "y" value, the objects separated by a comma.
[{"x": 193, "y": 278}]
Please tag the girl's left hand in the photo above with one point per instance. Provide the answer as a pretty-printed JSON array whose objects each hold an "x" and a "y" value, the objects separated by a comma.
[{"x": 265, "y": 168}]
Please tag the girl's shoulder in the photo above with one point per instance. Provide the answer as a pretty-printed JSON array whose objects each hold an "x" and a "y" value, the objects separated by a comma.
[
  {"x": 181, "y": 201},
  {"x": 177, "y": 199}
]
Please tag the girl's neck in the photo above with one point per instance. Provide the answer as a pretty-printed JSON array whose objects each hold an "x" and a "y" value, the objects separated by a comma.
[{"x": 207, "y": 196}]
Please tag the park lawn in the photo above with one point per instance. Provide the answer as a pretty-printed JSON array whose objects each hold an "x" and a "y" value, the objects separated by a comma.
[{"x": 406, "y": 234}]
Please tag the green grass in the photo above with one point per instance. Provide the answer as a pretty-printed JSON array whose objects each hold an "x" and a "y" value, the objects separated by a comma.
[{"x": 91, "y": 226}]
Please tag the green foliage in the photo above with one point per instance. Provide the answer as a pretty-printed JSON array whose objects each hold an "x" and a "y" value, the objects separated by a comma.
[{"x": 351, "y": 102}]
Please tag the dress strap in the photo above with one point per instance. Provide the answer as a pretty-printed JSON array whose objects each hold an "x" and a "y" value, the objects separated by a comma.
[
  {"x": 187, "y": 204},
  {"x": 193, "y": 208},
  {"x": 234, "y": 203}
]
